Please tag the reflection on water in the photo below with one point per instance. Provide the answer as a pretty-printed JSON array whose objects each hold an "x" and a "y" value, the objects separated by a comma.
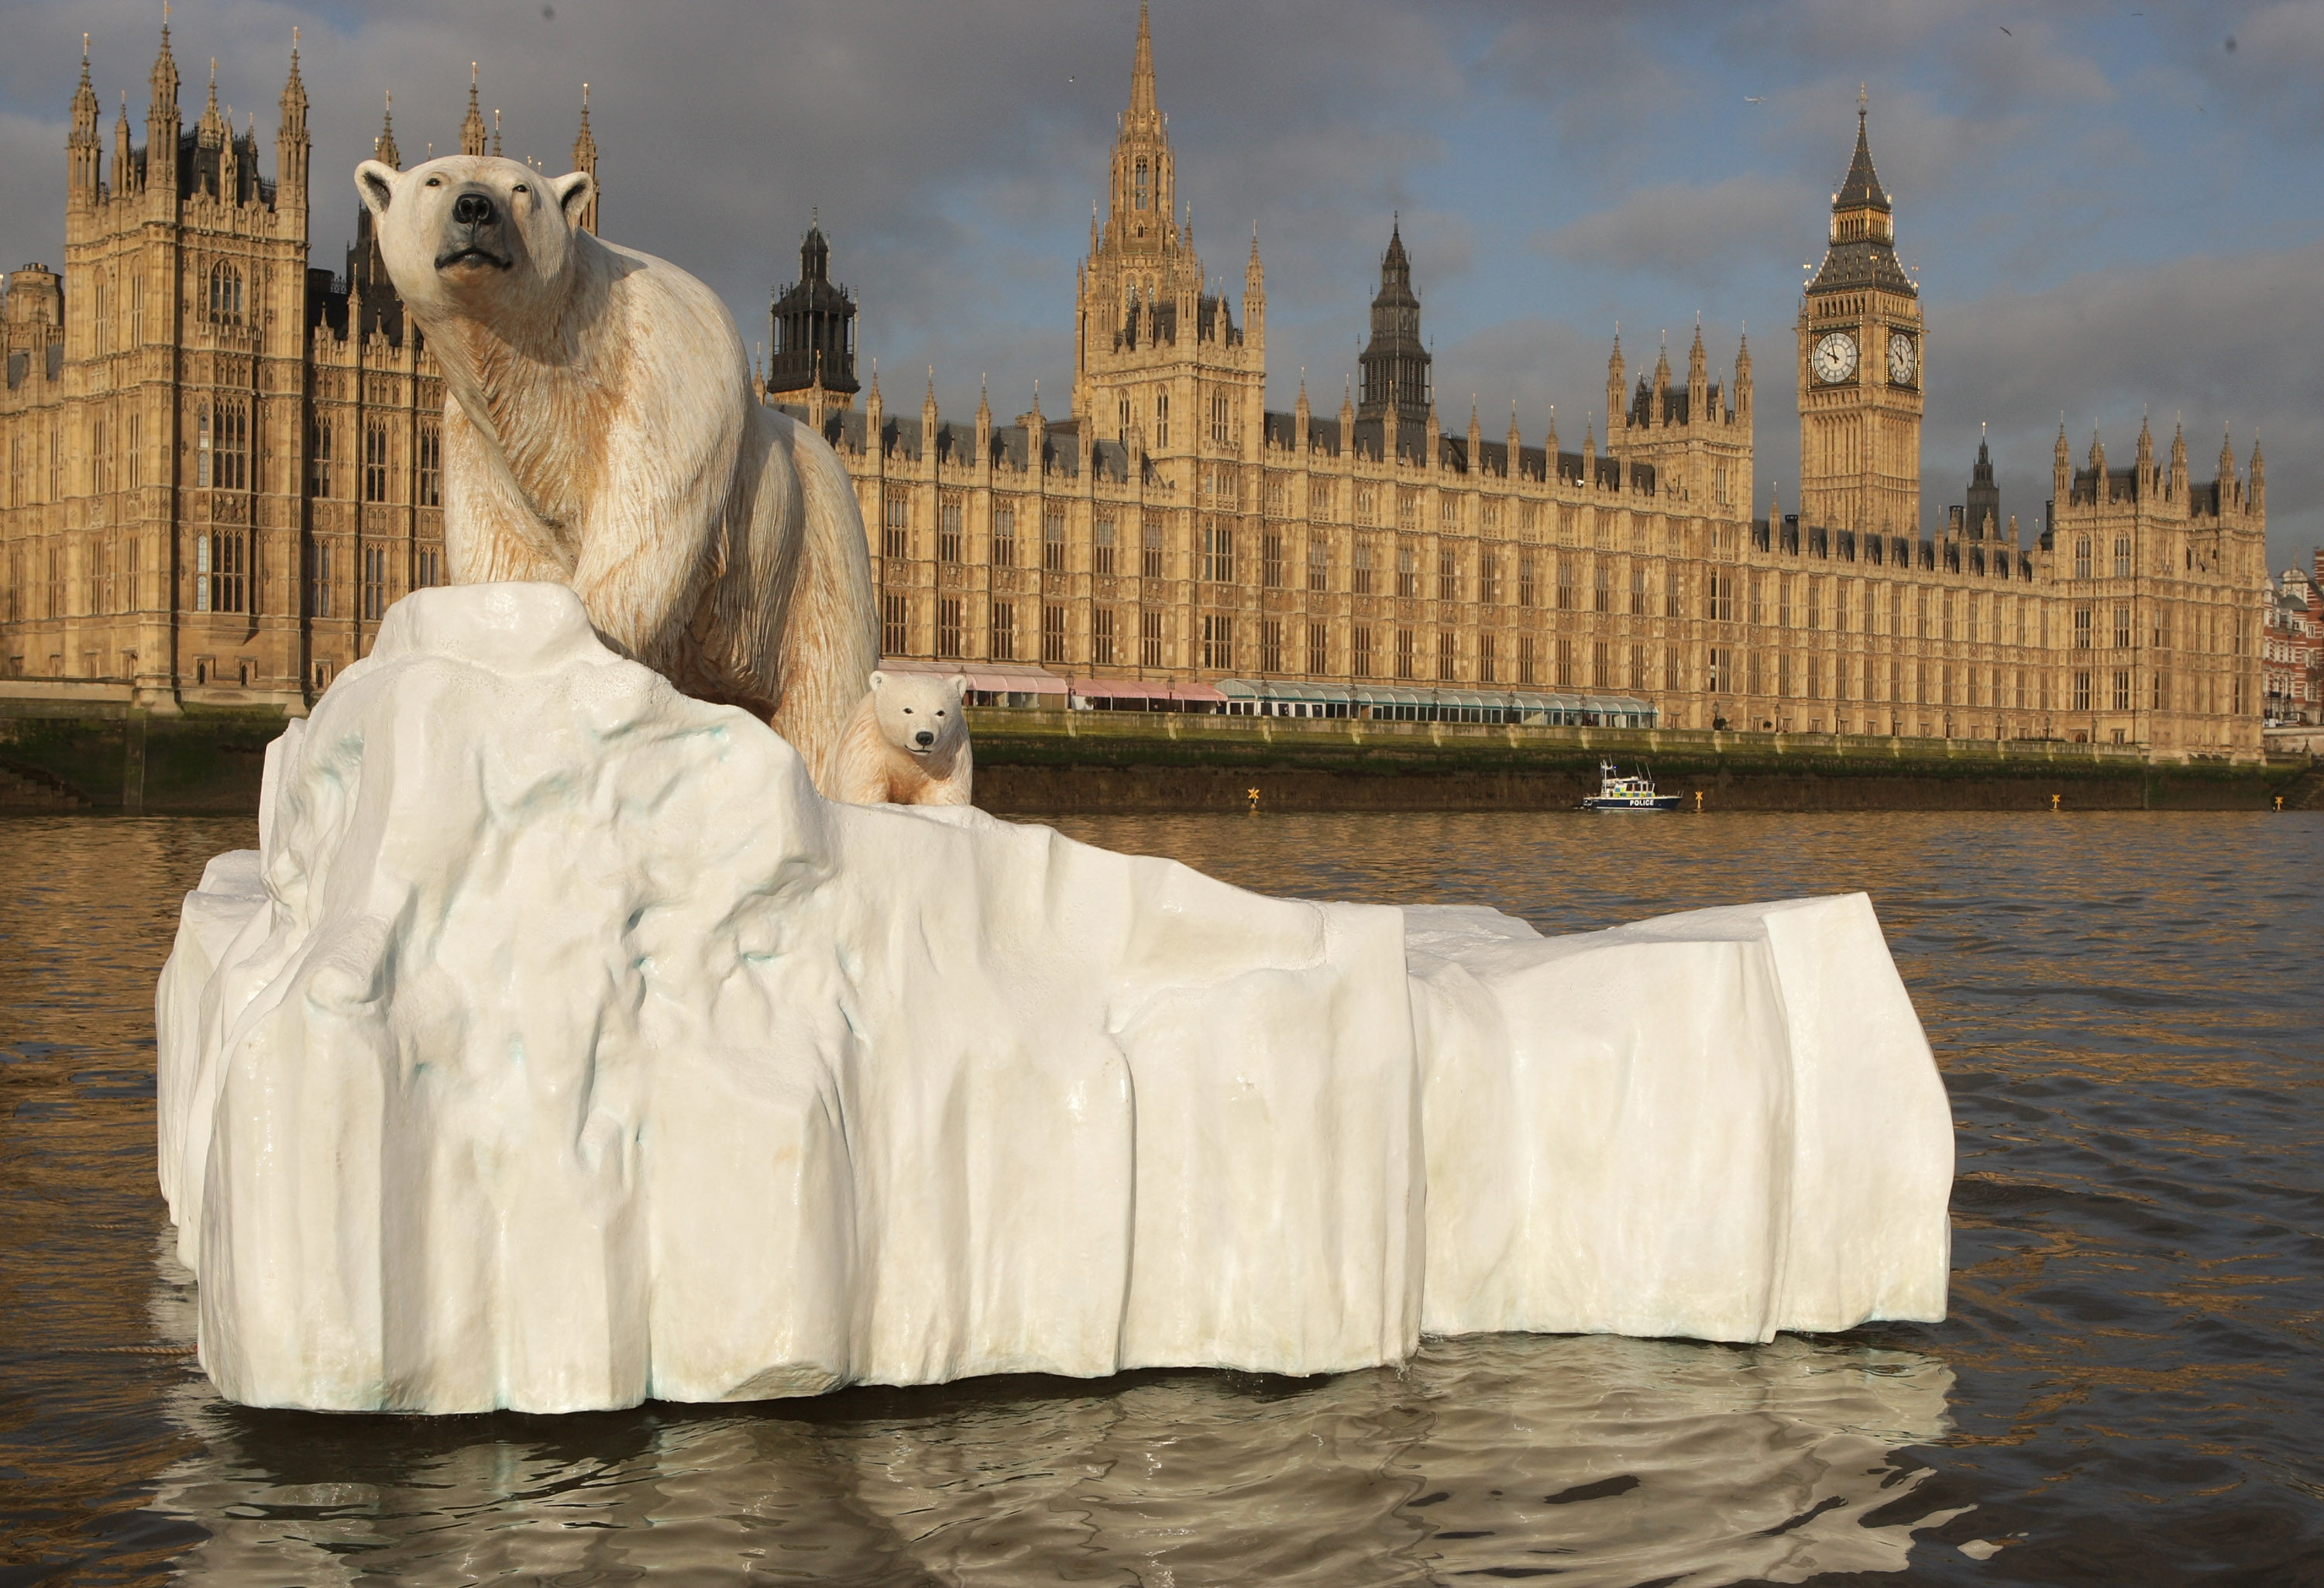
[
  {"x": 1603, "y": 1460},
  {"x": 2127, "y": 1010}
]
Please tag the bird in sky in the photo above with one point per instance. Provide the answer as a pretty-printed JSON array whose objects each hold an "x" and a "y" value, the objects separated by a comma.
[
  {"x": 1753, "y": 98},
  {"x": 2005, "y": 30}
]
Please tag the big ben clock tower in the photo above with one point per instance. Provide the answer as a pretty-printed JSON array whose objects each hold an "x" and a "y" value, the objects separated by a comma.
[{"x": 1860, "y": 368}]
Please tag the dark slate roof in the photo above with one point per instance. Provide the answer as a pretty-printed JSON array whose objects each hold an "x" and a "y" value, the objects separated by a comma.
[
  {"x": 1866, "y": 263},
  {"x": 1862, "y": 188}
]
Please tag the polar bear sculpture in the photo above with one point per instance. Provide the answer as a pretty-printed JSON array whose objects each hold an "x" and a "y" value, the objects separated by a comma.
[
  {"x": 907, "y": 744},
  {"x": 600, "y": 432}
]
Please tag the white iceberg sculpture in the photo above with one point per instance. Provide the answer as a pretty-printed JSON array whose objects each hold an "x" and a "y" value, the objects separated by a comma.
[{"x": 559, "y": 1049}]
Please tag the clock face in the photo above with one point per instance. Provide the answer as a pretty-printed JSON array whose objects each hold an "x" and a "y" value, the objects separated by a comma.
[
  {"x": 1834, "y": 359},
  {"x": 1904, "y": 359}
]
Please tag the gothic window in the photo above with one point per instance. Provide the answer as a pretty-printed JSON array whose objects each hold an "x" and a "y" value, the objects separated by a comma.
[
  {"x": 1565, "y": 663},
  {"x": 1161, "y": 419},
  {"x": 1485, "y": 658},
  {"x": 1270, "y": 559},
  {"x": 136, "y": 309},
  {"x": 1601, "y": 667},
  {"x": 2121, "y": 628},
  {"x": 431, "y": 466},
  {"x": 1319, "y": 649},
  {"x": 895, "y": 526},
  {"x": 948, "y": 626},
  {"x": 428, "y": 569},
  {"x": 1673, "y": 592},
  {"x": 1601, "y": 592},
  {"x": 2122, "y": 557},
  {"x": 1528, "y": 660},
  {"x": 1144, "y": 186},
  {"x": 1638, "y": 668},
  {"x": 1219, "y": 553},
  {"x": 1448, "y": 573},
  {"x": 1565, "y": 584},
  {"x": 1669, "y": 668},
  {"x": 1448, "y": 655},
  {"x": 1637, "y": 589},
  {"x": 318, "y": 460},
  {"x": 374, "y": 583},
  {"x": 895, "y": 623},
  {"x": 1488, "y": 577},
  {"x": 202, "y": 449},
  {"x": 226, "y": 294},
  {"x": 1359, "y": 652},
  {"x": 1053, "y": 540},
  {"x": 1102, "y": 637},
  {"x": 948, "y": 529},
  {"x": 221, "y": 575},
  {"x": 1319, "y": 565},
  {"x": 1004, "y": 631},
  {"x": 374, "y": 466},
  {"x": 1053, "y": 633},
  {"x": 2081, "y": 557},
  {"x": 1004, "y": 536},
  {"x": 1362, "y": 579},
  {"x": 2081, "y": 628},
  {"x": 1125, "y": 401},
  {"x": 1407, "y": 573},
  {"x": 1219, "y": 412},
  {"x": 1149, "y": 638},
  {"x": 1404, "y": 669},
  {"x": 1101, "y": 546},
  {"x": 1218, "y": 642},
  {"x": 97, "y": 482},
  {"x": 1527, "y": 594},
  {"x": 319, "y": 580},
  {"x": 1149, "y": 552}
]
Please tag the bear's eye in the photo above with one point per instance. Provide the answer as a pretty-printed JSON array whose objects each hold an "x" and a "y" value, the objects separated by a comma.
[
  {"x": 908, "y": 711},
  {"x": 435, "y": 181},
  {"x": 522, "y": 189}
]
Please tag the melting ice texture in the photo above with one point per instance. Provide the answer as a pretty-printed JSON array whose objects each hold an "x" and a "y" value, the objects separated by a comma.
[{"x": 559, "y": 1049}]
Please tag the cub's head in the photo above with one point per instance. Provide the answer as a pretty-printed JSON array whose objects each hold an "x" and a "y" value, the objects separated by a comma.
[
  {"x": 919, "y": 712},
  {"x": 471, "y": 235}
]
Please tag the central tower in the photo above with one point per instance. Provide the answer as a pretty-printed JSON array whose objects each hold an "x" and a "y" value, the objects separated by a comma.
[
  {"x": 1859, "y": 372},
  {"x": 1159, "y": 363}
]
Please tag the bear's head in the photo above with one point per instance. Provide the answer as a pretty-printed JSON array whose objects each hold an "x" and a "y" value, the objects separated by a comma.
[
  {"x": 472, "y": 237},
  {"x": 920, "y": 713}
]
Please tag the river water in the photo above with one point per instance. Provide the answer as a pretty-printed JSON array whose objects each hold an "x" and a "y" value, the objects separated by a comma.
[{"x": 2130, "y": 1389}]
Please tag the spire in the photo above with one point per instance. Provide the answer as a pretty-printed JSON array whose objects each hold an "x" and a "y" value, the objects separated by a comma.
[
  {"x": 80, "y": 144},
  {"x": 472, "y": 125},
  {"x": 496, "y": 132},
  {"x": 2227, "y": 457},
  {"x": 294, "y": 95},
  {"x": 1861, "y": 188},
  {"x": 1141, "y": 75},
  {"x": 1396, "y": 363},
  {"x": 382, "y": 148},
  {"x": 1550, "y": 445},
  {"x": 2258, "y": 496},
  {"x": 163, "y": 105},
  {"x": 585, "y": 158}
]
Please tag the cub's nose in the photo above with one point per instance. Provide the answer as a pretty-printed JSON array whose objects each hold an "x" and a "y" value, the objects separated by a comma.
[
  {"x": 924, "y": 738},
  {"x": 474, "y": 210}
]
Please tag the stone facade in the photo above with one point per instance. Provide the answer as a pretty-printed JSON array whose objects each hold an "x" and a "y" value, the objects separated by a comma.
[
  {"x": 222, "y": 466},
  {"x": 1170, "y": 534},
  {"x": 2293, "y": 645}
]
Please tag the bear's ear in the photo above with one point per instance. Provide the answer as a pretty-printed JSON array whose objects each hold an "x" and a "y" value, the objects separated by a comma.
[
  {"x": 573, "y": 192},
  {"x": 376, "y": 183},
  {"x": 959, "y": 685},
  {"x": 878, "y": 678}
]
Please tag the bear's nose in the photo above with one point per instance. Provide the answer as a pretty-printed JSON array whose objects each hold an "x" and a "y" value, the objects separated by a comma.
[
  {"x": 924, "y": 738},
  {"x": 473, "y": 210}
]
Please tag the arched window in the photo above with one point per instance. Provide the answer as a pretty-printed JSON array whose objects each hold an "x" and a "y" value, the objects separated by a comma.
[
  {"x": 375, "y": 462},
  {"x": 2122, "y": 557},
  {"x": 2081, "y": 557},
  {"x": 1144, "y": 181},
  {"x": 226, "y": 294},
  {"x": 318, "y": 459},
  {"x": 202, "y": 445},
  {"x": 232, "y": 472}
]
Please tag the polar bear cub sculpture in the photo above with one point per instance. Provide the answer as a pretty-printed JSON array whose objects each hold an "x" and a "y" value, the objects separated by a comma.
[
  {"x": 600, "y": 432},
  {"x": 907, "y": 744}
]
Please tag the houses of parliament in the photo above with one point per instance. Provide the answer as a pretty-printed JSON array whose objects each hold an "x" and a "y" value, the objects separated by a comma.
[{"x": 221, "y": 469}]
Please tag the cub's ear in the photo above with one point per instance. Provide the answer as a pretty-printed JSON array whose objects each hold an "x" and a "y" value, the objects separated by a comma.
[
  {"x": 573, "y": 192},
  {"x": 376, "y": 183},
  {"x": 959, "y": 685},
  {"x": 878, "y": 679}
]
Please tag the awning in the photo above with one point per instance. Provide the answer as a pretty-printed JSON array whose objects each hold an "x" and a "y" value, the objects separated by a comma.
[{"x": 984, "y": 677}]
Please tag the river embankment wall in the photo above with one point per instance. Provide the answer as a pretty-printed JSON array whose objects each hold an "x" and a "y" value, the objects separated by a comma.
[{"x": 58, "y": 754}]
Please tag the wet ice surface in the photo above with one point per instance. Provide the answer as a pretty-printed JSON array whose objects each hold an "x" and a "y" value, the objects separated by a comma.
[{"x": 2128, "y": 1011}]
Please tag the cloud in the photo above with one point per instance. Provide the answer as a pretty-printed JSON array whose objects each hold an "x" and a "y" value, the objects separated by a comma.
[{"x": 1696, "y": 234}]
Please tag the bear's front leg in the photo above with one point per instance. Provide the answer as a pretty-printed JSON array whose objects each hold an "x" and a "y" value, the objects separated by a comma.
[{"x": 491, "y": 532}]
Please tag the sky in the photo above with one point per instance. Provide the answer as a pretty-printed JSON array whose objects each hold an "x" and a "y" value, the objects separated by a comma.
[{"x": 2113, "y": 210}]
